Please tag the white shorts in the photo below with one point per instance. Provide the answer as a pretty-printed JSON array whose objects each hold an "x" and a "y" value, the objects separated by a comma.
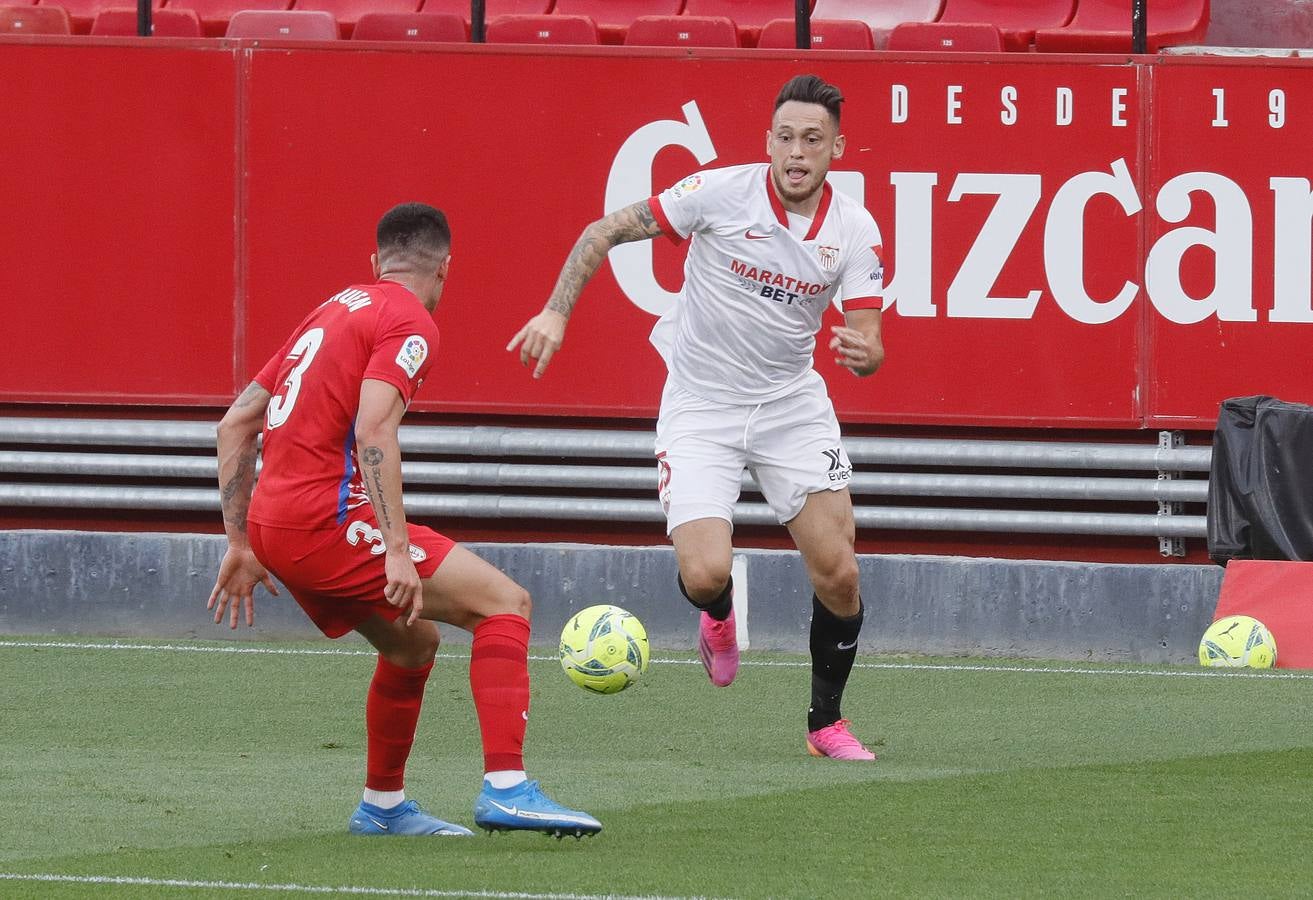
[{"x": 791, "y": 446}]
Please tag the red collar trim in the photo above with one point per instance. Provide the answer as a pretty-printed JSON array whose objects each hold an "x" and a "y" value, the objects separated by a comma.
[
  {"x": 819, "y": 219},
  {"x": 776, "y": 205},
  {"x": 782, "y": 215}
]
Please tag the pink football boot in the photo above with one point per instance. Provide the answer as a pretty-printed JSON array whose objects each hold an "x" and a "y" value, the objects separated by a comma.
[
  {"x": 836, "y": 742},
  {"x": 719, "y": 648}
]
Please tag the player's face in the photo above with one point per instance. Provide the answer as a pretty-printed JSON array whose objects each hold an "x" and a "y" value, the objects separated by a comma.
[{"x": 802, "y": 141}]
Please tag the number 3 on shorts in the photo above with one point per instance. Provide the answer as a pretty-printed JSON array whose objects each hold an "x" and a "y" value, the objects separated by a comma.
[
  {"x": 280, "y": 406},
  {"x": 359, "y": 531}
]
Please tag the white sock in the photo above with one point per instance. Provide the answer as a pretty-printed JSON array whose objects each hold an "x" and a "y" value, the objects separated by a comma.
[
  {"x": 385, "y": 799},
  {"x": 507, "y": 778}
]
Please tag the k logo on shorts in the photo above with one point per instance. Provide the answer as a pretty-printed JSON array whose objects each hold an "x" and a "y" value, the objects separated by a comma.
[{"x": 839, "y": 467}]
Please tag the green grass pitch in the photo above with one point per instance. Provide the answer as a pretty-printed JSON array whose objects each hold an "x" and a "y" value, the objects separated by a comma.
[{"x": 186, "y": 773}]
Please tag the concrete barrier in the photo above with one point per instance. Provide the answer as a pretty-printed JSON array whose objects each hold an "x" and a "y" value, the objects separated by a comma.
[{"x": 155, "y": 585}]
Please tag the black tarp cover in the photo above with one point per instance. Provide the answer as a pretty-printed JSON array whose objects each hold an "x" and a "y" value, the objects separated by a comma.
[{"x": 1260, "y": 486}]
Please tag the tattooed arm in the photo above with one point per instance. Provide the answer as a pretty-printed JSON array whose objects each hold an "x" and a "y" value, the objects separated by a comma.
[
  {"x": 240, "y": 571},
  {"x": 379, "y": 453},
  {"x": 235, "y": 438},
  {"x": 541, "y": 337}
]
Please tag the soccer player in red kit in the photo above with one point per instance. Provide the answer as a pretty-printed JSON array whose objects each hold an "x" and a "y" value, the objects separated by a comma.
[{"x": 326, "y": 518}]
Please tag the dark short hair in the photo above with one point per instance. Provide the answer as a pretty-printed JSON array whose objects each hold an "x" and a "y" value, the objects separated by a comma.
[
  {"x": 811, "y": 89},
  {"x": 414, "y": 229}
]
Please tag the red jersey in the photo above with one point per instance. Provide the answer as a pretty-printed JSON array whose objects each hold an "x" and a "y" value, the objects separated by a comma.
[{"x": 311, "y": 476}]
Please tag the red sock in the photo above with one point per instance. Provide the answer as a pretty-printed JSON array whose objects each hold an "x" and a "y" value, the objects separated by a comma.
[
  {"x": 499, "y": 679},
  {"x": 391, "y": 714}
]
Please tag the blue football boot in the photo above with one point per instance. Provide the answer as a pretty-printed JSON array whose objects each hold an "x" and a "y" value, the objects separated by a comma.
[
  {"x": 406, "y": 818},
  {"x": 526, "y": 808}
]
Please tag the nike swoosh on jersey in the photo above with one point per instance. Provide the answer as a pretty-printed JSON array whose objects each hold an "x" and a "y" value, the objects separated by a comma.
[{"x": 755, "y": 237}]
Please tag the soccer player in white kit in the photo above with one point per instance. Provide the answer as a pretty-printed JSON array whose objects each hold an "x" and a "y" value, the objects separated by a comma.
[{"x": 771, "y": 246}]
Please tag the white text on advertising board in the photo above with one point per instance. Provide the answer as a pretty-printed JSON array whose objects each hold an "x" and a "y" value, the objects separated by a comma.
[{"x": 970, "y": 291}]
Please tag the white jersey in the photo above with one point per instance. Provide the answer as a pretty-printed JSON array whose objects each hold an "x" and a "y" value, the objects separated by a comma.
[{"x": 757, "y": 281}]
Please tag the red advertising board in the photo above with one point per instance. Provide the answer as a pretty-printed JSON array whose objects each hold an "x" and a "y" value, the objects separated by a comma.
[
  {"x": 117, "y": 175},
  {"x": 176, "y": 227},
  {"x": 957, "y": 164},
  {"x": 1229, "y": 241},
  {"x": 998, "y": 194}
]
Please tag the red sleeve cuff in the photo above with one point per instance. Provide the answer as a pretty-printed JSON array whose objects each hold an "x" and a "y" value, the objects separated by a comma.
[
  {"x": 654, "y": 203},
  {"x": 857, "y": 303}
]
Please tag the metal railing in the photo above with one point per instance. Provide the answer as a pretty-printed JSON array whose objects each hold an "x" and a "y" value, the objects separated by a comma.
[{"x": 608, "y": 476}]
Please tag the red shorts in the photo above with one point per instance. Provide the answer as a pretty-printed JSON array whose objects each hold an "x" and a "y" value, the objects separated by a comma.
[{"x": 337, "y": 574}]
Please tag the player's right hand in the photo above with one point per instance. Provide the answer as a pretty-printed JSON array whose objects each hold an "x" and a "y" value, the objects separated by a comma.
[
  {"x": 234, "y": 589},
  {"x": 539, "y": 339},
  {"x": 404, "y": 589}
]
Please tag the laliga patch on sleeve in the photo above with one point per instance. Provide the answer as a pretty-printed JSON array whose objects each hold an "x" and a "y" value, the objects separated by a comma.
[
  {"x": 414, "y": 350},
  {"x": 687, "y": 186}
]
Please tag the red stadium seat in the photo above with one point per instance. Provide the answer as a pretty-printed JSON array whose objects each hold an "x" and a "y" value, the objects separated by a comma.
[
  {"x": 826, "y": 34},
  {"x": 545, "y": 29},
  {"x": 1104, "y": 26},
  {"x": 749, "y": 16},
  {"x": 614, "y": 16},
  {"x": 881, "y": 17},
  {"x": 122, "y": 22},
  {"x": 34, "y": 20},
  {"x": 215, "y": 14},
  {"x": 1016, "y": 20},
  {"x": 682, "y": 31},
  {"x": 348, "y": 12},
  {"x": 293, "y": 24},
  {"x": 491, "y": 8},
  {"x": 420, "y": 26},
  {"x": 81, "y": 13},
  {"x": 946, "y": 36}
]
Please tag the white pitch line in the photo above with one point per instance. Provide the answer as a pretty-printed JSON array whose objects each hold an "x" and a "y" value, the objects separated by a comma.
[
  {"x": 133, "y": 881},
  {"x": 1069, "y": 670},
  {"x": 186, "y": 648},
  {"x": 751, "y": 663}
]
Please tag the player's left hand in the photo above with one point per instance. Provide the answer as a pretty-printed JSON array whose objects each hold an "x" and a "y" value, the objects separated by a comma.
[
  {"x": 853, "y": 351},
  {"x": 404, "y": 589},
  {"x": 234, "y": 589},
  {"x": 539, "y": 340}
]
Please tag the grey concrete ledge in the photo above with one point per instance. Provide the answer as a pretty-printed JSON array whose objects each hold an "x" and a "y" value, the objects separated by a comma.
[{"x": 156, "y": 585}]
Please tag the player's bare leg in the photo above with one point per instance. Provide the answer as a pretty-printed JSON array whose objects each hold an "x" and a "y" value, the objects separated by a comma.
[
  {"x": 466, "y": 589},
  {"x": 824, "y": 533},
  {"x": 409, "y": 648},
  {"x": 705, "y": 555},
  {"x": 471, "y": 593}
]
